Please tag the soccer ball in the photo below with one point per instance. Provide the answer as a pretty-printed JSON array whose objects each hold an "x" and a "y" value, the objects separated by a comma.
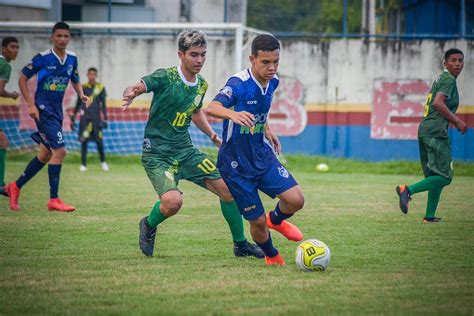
[
  {"x": 313, "y": 255},
  {"x": 322, "y": 167}
]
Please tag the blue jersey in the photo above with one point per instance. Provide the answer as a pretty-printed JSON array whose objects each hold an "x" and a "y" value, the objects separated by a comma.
[
  {"x": 53, "y": 75},
  {"x": 245, "y": 149}
]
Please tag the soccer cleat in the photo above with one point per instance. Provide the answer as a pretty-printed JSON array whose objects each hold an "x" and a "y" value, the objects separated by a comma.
[
  {"x": 82, "y": 168},
  {"x": 58, "y": 205},
  {"x": 404, "y": 195},
  {"x": 248, "y": 250},
  {"x": 290, "y": 231},
  {"x": 13, "y": 193},
  {"x": 3, "y": 192},
  {"x": 147, "y": 236},
  {"x": 104, "y": 166},
  {"x": 275, "y": 261},
  {"x": 431, "y": 220}
]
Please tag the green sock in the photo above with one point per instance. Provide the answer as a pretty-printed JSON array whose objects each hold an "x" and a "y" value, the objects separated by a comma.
[
  {"x": 428, "y": 183},
  {"x": 3, "y": 157},
  {"x": 156, "y": 217},
  {"x": 234, "y": 219},
  {"x": 433, "y": 199}
]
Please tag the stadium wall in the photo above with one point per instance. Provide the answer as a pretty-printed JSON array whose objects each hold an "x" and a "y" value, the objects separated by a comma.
[{"x": 354, "y": 98}]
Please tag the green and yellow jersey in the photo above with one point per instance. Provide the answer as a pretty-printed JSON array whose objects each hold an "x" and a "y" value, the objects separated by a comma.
[
  {"x": 433, "y": 123},
  {"x": 173, "y": 104},
  {"x": 5, "y": 69}
]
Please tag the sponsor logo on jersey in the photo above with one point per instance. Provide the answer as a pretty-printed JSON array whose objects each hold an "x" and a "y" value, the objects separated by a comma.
[
  {"x": 51, "y": 67},
  {"x": 252, "y": 102},
  {"x": 55, "y": 83},
  {"x": 227, "y": 91},
  {"x": 258, "y": 127},
  {"x": 234, "y": 164},
  {"x": 283, "y": 172}
]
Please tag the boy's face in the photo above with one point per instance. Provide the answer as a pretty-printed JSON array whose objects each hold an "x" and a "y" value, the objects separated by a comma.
[
  {"x": 60, "y": 39},
  {"x": 265, "y": 64},
  {"x": 193, "y": 59},
  {"x": 10, "y": 51},
  {"x": 92, "y": 76},
  {"x": 454, "y": 64}
]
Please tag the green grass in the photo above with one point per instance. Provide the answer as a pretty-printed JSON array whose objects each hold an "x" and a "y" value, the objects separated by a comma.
[{"x": 383, "y": 262}]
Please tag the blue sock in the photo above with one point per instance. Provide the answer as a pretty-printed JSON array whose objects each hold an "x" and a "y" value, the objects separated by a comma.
[
  {"x": 276, "y": 216},
  {"x": 33, "y": 167},
  {"x": 54, "y": 172},
  {"x": 267, "y": 247}
]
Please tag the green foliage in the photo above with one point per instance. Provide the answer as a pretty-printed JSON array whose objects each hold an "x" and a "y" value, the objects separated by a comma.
[
  {"x": 88, "y": 262},
  {"x": 324, "y": 16}
]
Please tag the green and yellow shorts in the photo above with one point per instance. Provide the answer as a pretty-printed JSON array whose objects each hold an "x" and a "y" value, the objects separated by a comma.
[
  {"x": 435, "y": 156},
  {"x": 190, "y": 164}
]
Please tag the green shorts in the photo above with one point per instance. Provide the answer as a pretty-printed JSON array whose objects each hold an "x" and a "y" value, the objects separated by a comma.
[
  {"x": 190, "y": 164},
  {"x": 435, "y": 156}
]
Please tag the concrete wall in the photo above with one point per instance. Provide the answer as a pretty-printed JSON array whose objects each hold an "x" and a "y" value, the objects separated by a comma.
[{"x": 328, "y": 99}]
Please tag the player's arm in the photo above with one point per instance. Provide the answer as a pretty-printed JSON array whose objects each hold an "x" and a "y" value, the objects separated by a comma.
[
  {"x": 439, "y": 104},
  {"x": 4, "y": 93},
  {"x": 78, "y": 88},
  {"x": 25, "y": 92},
  {"x": 131, "y": 93},
  {"x": 272, "y": 138},
  {"x": 216, "y": 109},
  {"x": 199, "y": 119}
]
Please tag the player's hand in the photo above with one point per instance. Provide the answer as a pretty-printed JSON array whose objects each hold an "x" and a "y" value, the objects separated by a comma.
[
  {"x": 216, "y": 140},
  {"x": 105, "y": 124},
  {"x": 86, "y": 100},
  {"x": 243, "y": 118},
  {"x": 128, "y": 95},
  {"x": 461, "y": 126},
  {"x": 33, "y": 112},
  {"x": 273, "y": 139},
  {"x": 15, "y": 95}
]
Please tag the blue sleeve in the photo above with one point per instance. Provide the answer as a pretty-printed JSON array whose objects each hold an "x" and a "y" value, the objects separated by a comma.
[
  {"x": 75, "y": 73},
  {"x": 230, "y": 94},
  {"x": 33, "y": 67}
]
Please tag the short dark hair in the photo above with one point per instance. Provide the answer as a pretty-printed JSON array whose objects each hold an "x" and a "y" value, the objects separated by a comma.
[
  {"x": 61, "y": 26},
  {"x": 8, "y": 40},
  {"x": 92, "y": 69},
  {"x": 190, "y": 38},
  {"x": 452, "y": 51},
  {"x": 264, "y": 42}
]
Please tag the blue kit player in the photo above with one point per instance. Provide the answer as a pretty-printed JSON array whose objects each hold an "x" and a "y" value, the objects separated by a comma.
[
  {"x": 247, "y": 161},
  {"x": 54, "y": 69}
]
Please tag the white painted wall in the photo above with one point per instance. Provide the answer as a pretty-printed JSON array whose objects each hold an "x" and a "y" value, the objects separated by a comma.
[{"x": 321, "y": 66}]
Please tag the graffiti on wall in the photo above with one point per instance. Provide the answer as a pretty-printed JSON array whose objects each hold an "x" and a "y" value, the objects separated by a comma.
[
  {"x": 288, "y": 116},
  {"x": 397, "y": 108}
]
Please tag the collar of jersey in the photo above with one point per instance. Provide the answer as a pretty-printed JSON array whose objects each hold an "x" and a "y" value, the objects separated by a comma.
[
  {"x": 264, "y": 91},
  {"x": 191, "y": 84},
  {"x": 446, "y": 70},
  {"x": 59, "y": 59}
]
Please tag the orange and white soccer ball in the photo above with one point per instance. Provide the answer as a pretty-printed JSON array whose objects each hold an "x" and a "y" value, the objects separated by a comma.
[{"x": 313, "y": 255}]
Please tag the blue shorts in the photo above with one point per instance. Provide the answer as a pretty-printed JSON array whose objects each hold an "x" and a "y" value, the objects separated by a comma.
[
  {"x": 50, "y": 132},
  {"x": 245, "y": 190}
]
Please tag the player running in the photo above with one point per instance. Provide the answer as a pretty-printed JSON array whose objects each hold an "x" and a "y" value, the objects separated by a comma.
[
  {"x": 435, "y": 146},
  {"x": 54, "y": 68},
  {"x": 93, "y": 118},
  {"x": 168, "y": 153},
  {"x": 246, "y": 159},
  {"x": 10, "y": 49}
]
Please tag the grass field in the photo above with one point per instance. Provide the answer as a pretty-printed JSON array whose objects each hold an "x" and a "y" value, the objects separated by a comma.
[{"x": 383, "y": 262}]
